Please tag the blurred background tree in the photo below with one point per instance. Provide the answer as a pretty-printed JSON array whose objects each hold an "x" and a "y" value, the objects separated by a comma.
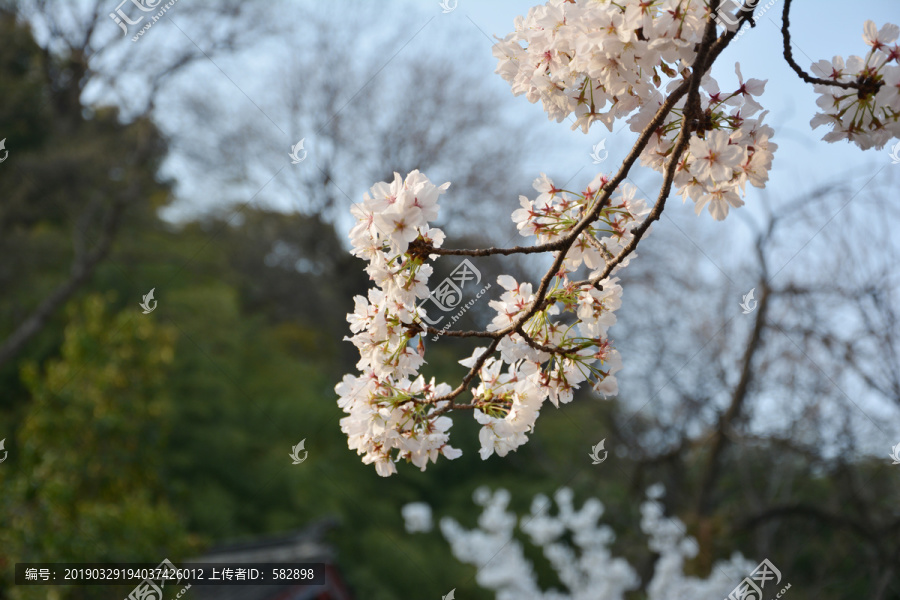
[{"x": 88, "y": 484}]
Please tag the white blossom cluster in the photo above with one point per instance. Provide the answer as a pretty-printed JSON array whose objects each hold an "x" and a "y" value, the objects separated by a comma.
[
  {"x": 416, "y": 517},
  {"x": 509, "y": 402},
  {"x": 554, "y": 213},
  {"x": 580, "y": 56},
  {"x": 586, "y": 567},
  {"x": 393, "y": 412},
  {"x": 391, "y": 409},
  {"x": 599, "y": 60},
  {"x": 870, "y": 116},
  {"x": 727, "y": 150}
]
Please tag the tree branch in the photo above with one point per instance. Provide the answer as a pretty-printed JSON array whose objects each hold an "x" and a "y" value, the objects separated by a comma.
[
  {"x": 548, "y": 247},
  {"x": 805, "y": 510},
  {"x": 738, "y": 396},
  {"x": 82, "y": 270},
  {"x": 789, "y": 57}
]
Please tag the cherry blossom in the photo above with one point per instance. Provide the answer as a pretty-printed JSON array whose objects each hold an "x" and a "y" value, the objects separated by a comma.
[
  {"x": 598, "y": 60},
  {"x": 393, "y": 412},
  {"x": 714, "y": 158},
  {"x": 869, "y": 116},
  {"x": 577, "y": 547},
  {"x": 649, "y": 63},
  {"x": 417, "y": 517}
]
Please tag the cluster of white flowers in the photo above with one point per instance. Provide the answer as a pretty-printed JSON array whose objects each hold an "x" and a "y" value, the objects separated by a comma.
[
  {"x": 727, "y": 150},
  {"x": 553, "y": 214},
  {"x": 393, "y": 412},
  {"x": 509, "y": 402},
  {"x": 599, "y": 60},
  {"x": 870, "y": 116},
  {"x": 586, "y": 568},
  {"x": 390, "y": 408},
  {"x": 580, "y": 56},
  {"x": 416, "y": 517}
]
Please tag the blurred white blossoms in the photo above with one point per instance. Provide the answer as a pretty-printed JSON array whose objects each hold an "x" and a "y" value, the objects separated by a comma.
[
  {"x": 417, "y": 517},
  {"x": 868, "y": 117},
  {"x": 586, "y": 567}
]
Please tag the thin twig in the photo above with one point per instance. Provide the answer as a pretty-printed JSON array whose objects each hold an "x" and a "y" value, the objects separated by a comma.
[
  {"x": 789, "y": 57},
  {"x": 544, "y": 347}
]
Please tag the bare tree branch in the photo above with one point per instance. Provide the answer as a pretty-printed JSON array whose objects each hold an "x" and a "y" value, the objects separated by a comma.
[
  {"x": 868, "y": 87},
  {"x": 810, "y": 512},
  {"x": 82, "y": 270}
]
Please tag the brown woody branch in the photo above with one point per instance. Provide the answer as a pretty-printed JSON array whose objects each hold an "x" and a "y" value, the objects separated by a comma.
[
  {"x": 707, "y": 54},
  {"x": 468, "y": 378},
  {"x": 810, "y": 512},
  {"x": 543, "y": 347},
  {"x": 548, "y": 247},
  {"x": 82, "y": 269},
  {"x": 863, "y": 86},
  {"x": 84, "y": 264},
  {"x": 738, "y": 397}
]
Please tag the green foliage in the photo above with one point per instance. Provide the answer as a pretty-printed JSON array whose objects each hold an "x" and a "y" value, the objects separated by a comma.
[
  {"x": 67, "y": 166},
  {"x": 86, "y": 482}
]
